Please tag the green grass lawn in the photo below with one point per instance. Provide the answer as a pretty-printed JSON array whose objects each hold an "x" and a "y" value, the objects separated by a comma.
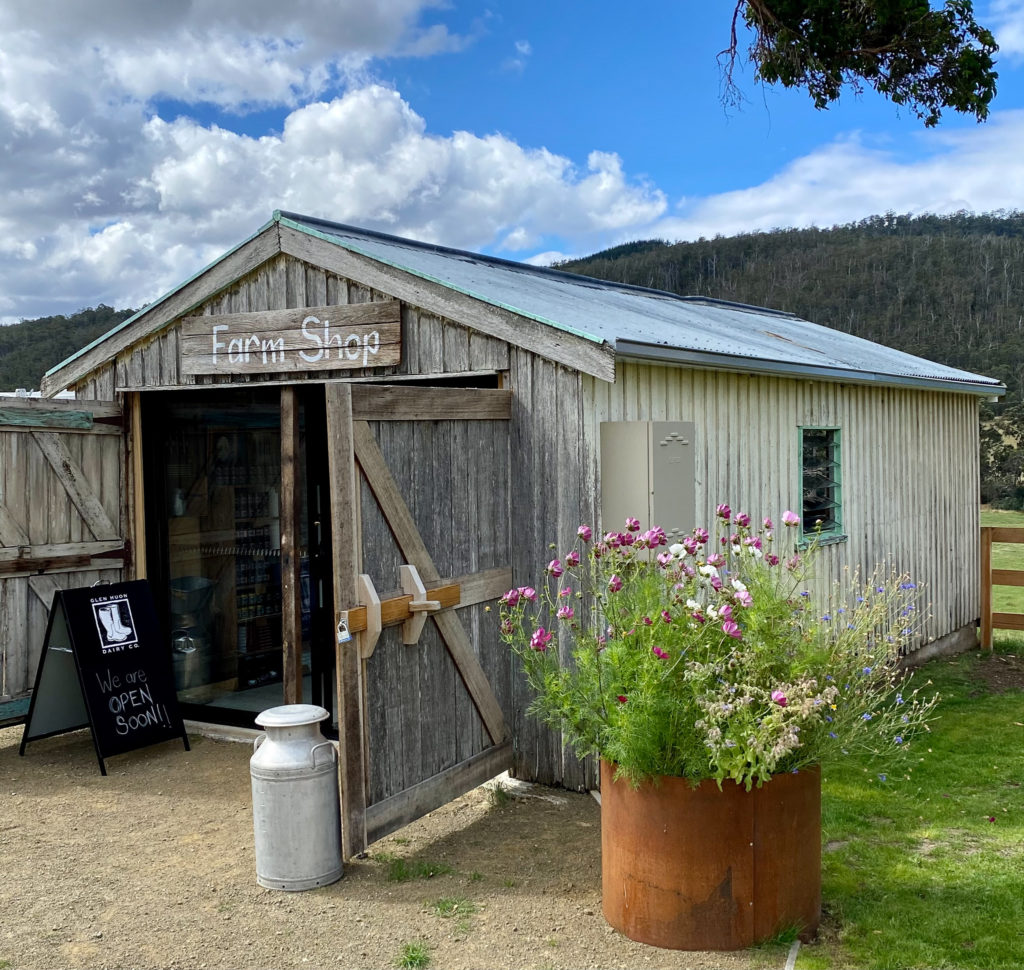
[{"x": 927, "y": 870}]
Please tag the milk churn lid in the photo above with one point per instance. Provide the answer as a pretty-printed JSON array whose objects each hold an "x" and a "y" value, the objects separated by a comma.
[{"x": 291, "y": 715}]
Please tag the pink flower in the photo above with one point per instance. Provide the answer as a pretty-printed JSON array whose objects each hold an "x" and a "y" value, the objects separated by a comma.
[
  {"x": 716, "y": 583},
  {"x": 731, "y": 629},
  {"x": 528, "y": 593},
  {"x": 621, "y": 698},
  {"x": 743, "y": 520},
  {"x": 690, "y": 545},
  {"x": 613, "y": 539},
  {"x": 508, "y": 627},
  {"x": 566, "y": 612},
  {"x": 615, "y": 583},
  {"x": 572, "y": 559},
  {"x": 768, "y": 524},
  {"x": 664, "y": 558},
  {"x": 725, "y": 612},
  {"x": 701, "y": 535},
  {"x": 723, "y": 511},
  {"x": 790, "y": 518},
  {"x": 565, "y": 591},
  {"x": 584, "y": 533},
  {"x": 744, "y": 598},
  {"x": 754, "y": 541},
  {"x": 600, "y": 549},
  {"x": 792, "y": 563},
  {"x": 511, "y": 597},
  {"x": 659, "y": 653},
  {"x": 698, "y": 616},
  {"x": 716, "y": 560},
  {"x": 555, "y": 568},
  {"x": 540, "y": 639},
  {"x": 632, "y": 525},
  {"x": 666, "y": 616},
  {"x": 627, "y": 538},
  {"x": 771, "y": 559},
  {"x": 655, "y": 537},
  {"x": 779, "y": 698}
]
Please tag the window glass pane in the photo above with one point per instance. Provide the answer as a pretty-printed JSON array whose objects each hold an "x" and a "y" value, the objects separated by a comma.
[
  {"x": 821, "y": 480},
  {"x": 222, "y": 489}
]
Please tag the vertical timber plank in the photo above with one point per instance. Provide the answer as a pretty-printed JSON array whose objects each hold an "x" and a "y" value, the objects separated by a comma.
[
  {"x": 344, "y": 537},
  {"x": 986, "y": 588},
  {"x": 137, "y": 498},
  {"x": 291, "y": 564}
]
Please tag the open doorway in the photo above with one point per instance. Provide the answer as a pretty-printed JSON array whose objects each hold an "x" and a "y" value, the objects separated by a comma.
[{"x": 213, "y": 501}]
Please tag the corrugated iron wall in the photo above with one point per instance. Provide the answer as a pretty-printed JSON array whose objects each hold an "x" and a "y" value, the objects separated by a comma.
[{"x": 909, "y": 465}]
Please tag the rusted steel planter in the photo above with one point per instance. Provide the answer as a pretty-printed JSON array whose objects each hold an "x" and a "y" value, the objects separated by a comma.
[{"x": 702, "y": 869}]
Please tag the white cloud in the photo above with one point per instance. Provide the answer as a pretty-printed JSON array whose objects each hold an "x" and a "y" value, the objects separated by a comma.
[
  {"x": 131, "y": 228},
  {"x": 229, "y": 52},
  {"x": 974, "y": 168},
  {"x": 1005, "y": 18}
]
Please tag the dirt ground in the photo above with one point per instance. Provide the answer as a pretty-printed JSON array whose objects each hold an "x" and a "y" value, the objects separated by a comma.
[
  {"x": 153, "y": 866},
  {"x": 1000, "y": 672}
]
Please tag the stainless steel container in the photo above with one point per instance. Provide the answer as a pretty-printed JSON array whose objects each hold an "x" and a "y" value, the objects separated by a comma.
[{"x": 295, "y": 809}]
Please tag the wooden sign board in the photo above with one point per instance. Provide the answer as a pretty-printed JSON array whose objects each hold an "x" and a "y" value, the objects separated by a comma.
[
  {"x": 348, "y": 337},
  {"x": 105, "y": 666}
]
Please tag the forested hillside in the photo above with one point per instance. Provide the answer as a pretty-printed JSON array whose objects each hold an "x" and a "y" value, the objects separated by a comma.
[
  {"x": 30, "y": 348},
  {"x": 948, "y": 288}
]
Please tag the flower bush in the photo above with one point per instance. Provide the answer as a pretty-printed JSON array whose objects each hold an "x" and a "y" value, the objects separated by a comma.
[{"x": 711, "y": 658}]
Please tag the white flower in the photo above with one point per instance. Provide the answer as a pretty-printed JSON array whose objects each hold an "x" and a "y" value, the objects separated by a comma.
[
  {"x": 735, "y": 550},
  {"x": 738, "y": 585},
  {"x": 707, "y": 570},
  {"x": 692, "y": 605},
  {"x": 677, "y": 550},
  {"x": 712, "y": 613}
]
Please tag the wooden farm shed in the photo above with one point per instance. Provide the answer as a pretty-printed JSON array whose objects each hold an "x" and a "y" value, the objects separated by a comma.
[{"x": 324, "y": 404}]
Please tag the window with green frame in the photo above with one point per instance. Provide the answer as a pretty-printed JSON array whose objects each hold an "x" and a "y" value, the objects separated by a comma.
[{"x": 821, "y": 481}]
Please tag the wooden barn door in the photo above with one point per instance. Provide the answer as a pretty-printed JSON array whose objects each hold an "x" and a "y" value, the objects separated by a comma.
[
  {"x": 420, "y": 477},
  {"x": 61, "y": 473}
]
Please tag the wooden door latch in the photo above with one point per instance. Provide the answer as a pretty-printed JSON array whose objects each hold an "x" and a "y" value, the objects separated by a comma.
[{"x": 411, "y": 610}]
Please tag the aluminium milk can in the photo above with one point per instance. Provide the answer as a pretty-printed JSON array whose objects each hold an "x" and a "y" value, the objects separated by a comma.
[{"x": 295, "y": 810}]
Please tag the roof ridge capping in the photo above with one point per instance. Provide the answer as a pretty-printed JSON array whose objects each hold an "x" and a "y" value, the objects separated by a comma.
[{"x": 298, "y": 221}]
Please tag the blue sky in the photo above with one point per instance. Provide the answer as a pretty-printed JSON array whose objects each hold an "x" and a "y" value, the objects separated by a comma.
[{"x": 143, "y": 139}]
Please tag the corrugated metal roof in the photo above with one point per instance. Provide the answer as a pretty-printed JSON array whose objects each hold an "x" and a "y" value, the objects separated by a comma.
[{"x": 652, "y": 324}]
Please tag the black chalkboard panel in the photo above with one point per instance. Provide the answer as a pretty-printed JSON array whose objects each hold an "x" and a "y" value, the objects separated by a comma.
[{"x": 105, "y": 666}]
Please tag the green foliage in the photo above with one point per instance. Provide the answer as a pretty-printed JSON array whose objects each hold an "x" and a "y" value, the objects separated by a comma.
[
  {"x": 449, "y": 906},
  {"x": 412, "y": 955},
  {"x": 402, "y": 870},
  {"x": 914, "y": 55},
  {"x": 700, "y": 663},
  {"x": 30, "y": 348}
]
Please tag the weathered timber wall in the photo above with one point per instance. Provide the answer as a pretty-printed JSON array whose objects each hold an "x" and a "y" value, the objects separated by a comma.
[{"x": 553, "y": 491}]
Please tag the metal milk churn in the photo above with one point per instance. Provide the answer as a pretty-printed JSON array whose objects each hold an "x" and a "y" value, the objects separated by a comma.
[{"x": 295, "y": 809}]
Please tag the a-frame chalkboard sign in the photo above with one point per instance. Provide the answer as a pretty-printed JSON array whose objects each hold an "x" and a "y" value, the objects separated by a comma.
[{"x": 105, "y": 666}]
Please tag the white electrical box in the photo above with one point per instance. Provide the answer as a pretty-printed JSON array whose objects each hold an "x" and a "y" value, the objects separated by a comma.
[{"x": 647, "y": 472}]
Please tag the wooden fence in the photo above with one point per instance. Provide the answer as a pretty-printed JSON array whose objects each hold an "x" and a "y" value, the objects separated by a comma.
[{"x": 997, "y": 577}]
